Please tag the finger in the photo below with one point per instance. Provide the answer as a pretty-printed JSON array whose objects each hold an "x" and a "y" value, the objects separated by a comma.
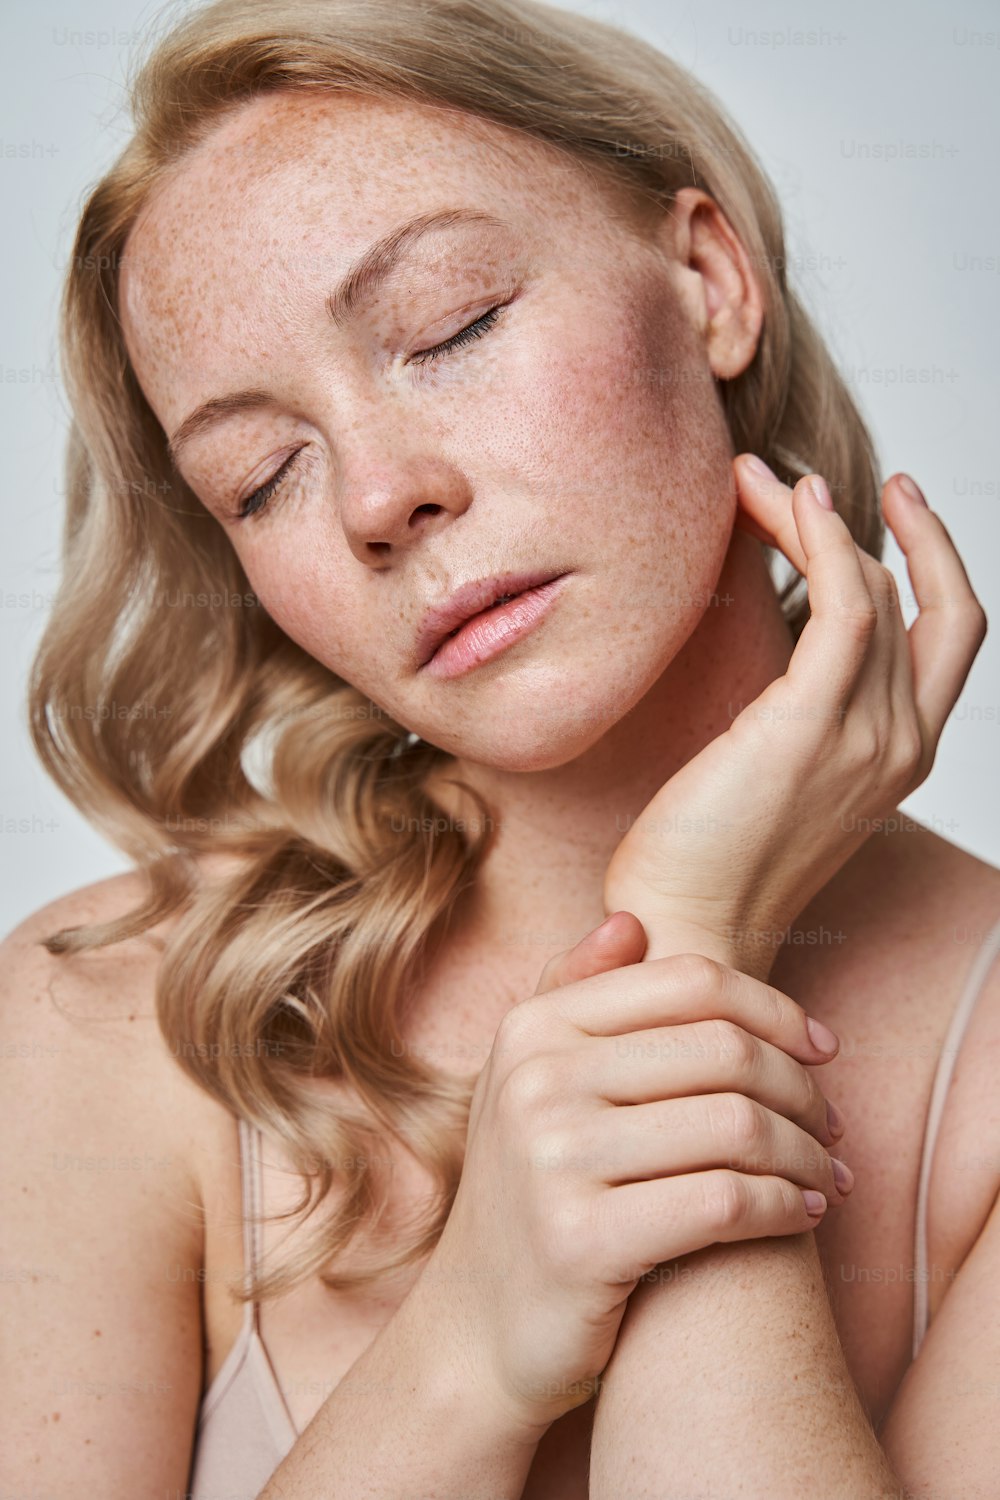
[
  {"x": 951, "y": 625},
  {"x": 634, "y": 1143},
  {"x": 689, "y": 987},
  {"x": 843, "y": 617},
  {"x": 765, "y": 508},
  {"x": 705, "y": 1057},
  {"x": 862, "y": 614},
  {"x": 890, "y": 674},
  {"x": 942, "y": 647},
  {"x": 620, "y": 939},
  {"x": 671, "y": 1216},
  {"x": 771, "y": 498}
]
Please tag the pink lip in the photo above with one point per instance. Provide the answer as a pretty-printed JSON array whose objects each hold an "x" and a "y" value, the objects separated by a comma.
[{"x": 485, "y": 630}]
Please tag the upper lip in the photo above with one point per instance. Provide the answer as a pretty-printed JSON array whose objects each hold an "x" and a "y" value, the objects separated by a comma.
[{"x": 470, "y": 600}]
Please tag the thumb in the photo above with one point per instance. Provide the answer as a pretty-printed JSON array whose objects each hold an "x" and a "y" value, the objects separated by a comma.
[{"x": 619, "y": 940}]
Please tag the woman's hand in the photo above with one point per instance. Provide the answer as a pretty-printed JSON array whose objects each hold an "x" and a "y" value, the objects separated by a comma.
[
  {"x": 628, "y": 1113},
  {"x": 735, "y": 844}
]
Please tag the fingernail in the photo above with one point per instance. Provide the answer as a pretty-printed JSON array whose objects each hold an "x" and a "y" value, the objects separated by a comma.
[
  {"x": 815, "y": 1202},
  {"x": 910, "y": 489},
  {"x": 820, "y": 492},
  {"x": 821, "y": 1036},
  {"x": 759, "y": 466},
  {"x": 842, "y": 1175},
  {"x": 834, "y": 1119}
]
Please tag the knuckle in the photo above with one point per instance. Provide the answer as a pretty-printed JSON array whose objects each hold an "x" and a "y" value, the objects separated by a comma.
[
  {"x": 871, "y": 744},
  {"x": 909, "y": 752},
  {"x": 740, "y": 1122},
  {"x": 528, "y": 1086},
  {"x": 696, "y": 973},
  {"x": 859, "y": 619},
  {"x": 856, "y": 603},
  {"x": 728, "y": 1201},
  {"x": 518, "y": 1029},
  {"x": 553, "y": 1150},
  {"x": 734, "y": 1044},
  {"x": 884, "y": 589},
  {"x": 973, "y": 613}
]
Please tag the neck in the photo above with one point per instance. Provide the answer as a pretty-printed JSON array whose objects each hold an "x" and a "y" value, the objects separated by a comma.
[{"x": 540, "y": 884}]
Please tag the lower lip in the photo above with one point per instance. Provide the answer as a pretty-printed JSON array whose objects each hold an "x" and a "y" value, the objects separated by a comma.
[{"x": 486, "y": 635}]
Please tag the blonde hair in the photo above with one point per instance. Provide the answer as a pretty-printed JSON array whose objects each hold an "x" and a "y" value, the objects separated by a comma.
[{"x": 159, "y": 671}]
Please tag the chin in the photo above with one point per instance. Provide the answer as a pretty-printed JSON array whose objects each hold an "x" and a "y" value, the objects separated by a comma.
[
  {"x": 546, "y": 752},
  {"x": 547, "y": 719}
]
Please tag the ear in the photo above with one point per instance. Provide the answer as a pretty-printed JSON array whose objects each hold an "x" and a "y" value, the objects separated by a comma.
[{"x": 716, "y": 281}]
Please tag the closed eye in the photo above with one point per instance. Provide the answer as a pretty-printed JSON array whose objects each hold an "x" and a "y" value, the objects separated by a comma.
[
  {"x": 465, "y": 335},
  {"x": 255, "y": 503}
]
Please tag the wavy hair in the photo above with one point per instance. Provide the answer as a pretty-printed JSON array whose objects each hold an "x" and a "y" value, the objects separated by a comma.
[{"x": 177, "y": 716}]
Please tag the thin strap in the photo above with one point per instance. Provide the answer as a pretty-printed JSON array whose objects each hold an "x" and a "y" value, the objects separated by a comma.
[
  {"x": 252, "y": 1197},
  {"x": 974, "y": 982},
  {"x": 251, "y": 1145}
]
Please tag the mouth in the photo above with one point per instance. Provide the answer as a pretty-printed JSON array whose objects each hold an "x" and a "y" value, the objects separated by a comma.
[{"x": 483, "y": 618}]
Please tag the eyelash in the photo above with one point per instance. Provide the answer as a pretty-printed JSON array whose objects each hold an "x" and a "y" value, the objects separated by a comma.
[
  {"x": 465, "y": 335},
  {"x": 255, "y": 503}
]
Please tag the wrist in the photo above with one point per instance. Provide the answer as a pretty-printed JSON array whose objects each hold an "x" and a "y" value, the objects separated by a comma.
[
  {"x": 726, "y": 947},
  {"x": 738, "y": 947},
  {"x": 458, "y": 1381}
]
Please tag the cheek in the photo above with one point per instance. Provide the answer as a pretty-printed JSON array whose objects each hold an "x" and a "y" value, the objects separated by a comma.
[
  {"x": 628, "y": 456},
  {"x": 298, "y": 588}
]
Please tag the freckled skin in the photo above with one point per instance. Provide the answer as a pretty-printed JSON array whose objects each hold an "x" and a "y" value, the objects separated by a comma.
[{"x": 583, "y": 432}]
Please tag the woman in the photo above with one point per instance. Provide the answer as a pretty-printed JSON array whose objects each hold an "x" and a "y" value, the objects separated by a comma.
[{"x": 389, "y": 312}]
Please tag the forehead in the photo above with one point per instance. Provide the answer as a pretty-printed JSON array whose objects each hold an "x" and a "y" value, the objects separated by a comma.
[{"x": 289, "y": 188}]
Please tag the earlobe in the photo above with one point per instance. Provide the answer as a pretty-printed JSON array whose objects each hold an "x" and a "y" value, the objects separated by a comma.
[{"x": 732, "y": 343}]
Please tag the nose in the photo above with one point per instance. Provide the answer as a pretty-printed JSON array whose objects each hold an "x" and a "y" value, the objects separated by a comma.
[{"x": 391, "y": 503}]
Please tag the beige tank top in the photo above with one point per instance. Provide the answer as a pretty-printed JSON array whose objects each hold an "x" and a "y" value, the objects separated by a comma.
[{"x": 244, "y": 1425}]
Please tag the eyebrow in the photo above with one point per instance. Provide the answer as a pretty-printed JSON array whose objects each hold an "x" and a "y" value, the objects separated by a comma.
[{"x": 357, "y": 287}]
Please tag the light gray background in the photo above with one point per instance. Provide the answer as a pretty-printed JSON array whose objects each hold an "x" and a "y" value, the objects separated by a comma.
[{"x": 879, "y": 127}]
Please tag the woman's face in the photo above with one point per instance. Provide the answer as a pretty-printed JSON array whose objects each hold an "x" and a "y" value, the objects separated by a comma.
[{"x": 580, "y": 433}]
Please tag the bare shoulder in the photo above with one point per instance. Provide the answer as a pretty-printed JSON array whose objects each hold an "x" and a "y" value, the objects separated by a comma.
[
  {"x": 907, "y": 914},
  {"x": 98, "y": 1007},
  {"x": 99, "y": 1205},
  {"x": 93, "y": 1013},
  {"x": 937, "y": 905},
  {"x": 901, "y": 932},
  {"x": 946, "y": 902},
  {"x": 912, "y": 927},
  {"x": 955, "y": 896}
]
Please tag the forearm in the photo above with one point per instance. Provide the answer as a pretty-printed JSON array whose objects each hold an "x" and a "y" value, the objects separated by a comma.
[
  {"x": 411, "y": 1418},
  {"x": 728, "y": 1379},
  {"x": 728, "y": 1376}
]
